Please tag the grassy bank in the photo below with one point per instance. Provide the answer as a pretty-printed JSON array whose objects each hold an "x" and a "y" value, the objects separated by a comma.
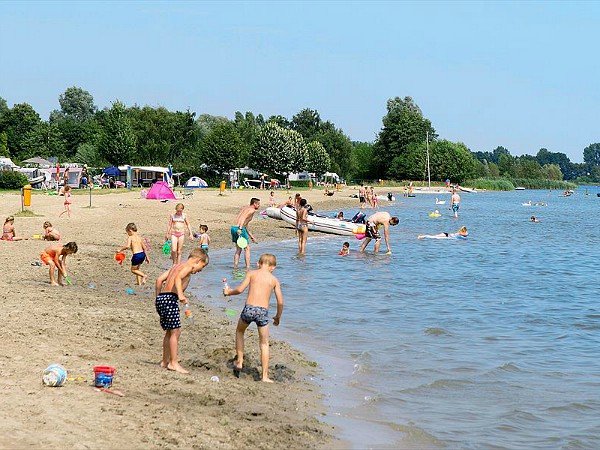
[{"x": 509, "y": 184}]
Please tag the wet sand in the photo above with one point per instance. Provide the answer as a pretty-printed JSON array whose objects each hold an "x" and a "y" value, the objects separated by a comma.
[{"x": 95, "y": 322}]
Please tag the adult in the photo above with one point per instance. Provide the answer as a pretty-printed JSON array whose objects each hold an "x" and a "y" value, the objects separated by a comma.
[
  {"x": 240, "y": 229},
  {"x": 455, "y": 202},
  {"x": 376, "y": 220},
  {"x": 302, "y": 226},
  {"x": 66, "y": 177},
  {"x": 361, "y": 196}
]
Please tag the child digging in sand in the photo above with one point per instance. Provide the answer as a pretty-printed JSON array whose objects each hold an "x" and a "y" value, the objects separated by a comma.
[
  {"x": 50, "y": 233},
  {"x": 139, "y": 251},
  {"x": 55, "y": 257},
  {"x": 262, "y": 283},
  {"x": 170, "y": 287}
]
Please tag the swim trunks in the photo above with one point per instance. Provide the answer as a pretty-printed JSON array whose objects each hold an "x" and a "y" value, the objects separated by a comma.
[
  {"x": 372, "y": 231},
  {"x": 455, "y": 207},
  {"x": 138, "y": 258},
  {"x": 167, "y": 307},
  {"x": 46, "y": 258},
  {"x": 256, "y": 314},
  {"x": 235, "y": 235},
  {"x": 204, "y": 247},
  {"x": 361, "y": 199}
]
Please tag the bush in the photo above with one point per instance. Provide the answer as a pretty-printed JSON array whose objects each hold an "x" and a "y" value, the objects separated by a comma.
[
  {"x": 491, "y": 184},
  {"x": 543, "y": 184},
  {"x": 12, "y": 180},
  {"x": 299, "y": 183}
]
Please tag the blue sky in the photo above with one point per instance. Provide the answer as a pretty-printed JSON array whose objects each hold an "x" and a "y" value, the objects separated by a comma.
[{"x": 524, "y": 75}]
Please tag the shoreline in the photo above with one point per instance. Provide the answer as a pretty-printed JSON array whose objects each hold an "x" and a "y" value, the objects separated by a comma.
[{"x": 94, "y": 322}]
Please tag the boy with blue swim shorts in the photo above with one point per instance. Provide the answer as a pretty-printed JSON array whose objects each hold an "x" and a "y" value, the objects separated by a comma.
[
  {"x": 170, "y": 288},
  {"x": 261, "y": 284},
  {"x": 139, "y": 249}
]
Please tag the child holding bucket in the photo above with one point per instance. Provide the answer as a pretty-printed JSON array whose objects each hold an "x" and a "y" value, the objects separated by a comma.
[
  {"x": 170, "y": 287},
  {"x": 55, "y": 257},
  {"x": 261, "y": 284},
  {"x": 140, "y": 252}
]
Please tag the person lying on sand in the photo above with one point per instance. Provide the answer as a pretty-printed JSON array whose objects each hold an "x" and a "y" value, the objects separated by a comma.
[
  {"x": 170, "y": 288},
  {"x": 261, "y": 284}
]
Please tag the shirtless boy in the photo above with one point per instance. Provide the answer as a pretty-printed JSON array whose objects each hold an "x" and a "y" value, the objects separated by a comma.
[
  {"x": 55, "y": 257},
  {"x": 455, "y": 200},
  {"x": 139, "y": 251},
  {"x": 240, "y": 229},
  {"x": 170, "y": 287},
  {"x": 50, "y": 233},
  {"x": 262, "y": 283},
  {"x": 372, "y": 231}
]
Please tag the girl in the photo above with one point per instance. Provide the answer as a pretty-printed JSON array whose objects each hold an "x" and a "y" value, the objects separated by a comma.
[
  {"x": 68, "y": 201},
  {"x": 374, "y": 198},
  {"x": 272, "y": 199},
  {"x": 8, "y": 230},
  {"x": 50, "y": 233},
  {"x": 178, "y": 222}
]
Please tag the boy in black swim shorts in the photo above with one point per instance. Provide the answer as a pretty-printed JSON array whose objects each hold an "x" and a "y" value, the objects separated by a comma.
[
  {"x": 262, "y": 283},
  {"x": 170, "y": 287}
]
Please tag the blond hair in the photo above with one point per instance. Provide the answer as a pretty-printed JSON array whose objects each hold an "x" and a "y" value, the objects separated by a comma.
[
  {"x": 462, "y": 230},
  {"x": 131, "y": 227},
  {"x": 268, "y": 259},
  {"x": 200, "y": 254}
]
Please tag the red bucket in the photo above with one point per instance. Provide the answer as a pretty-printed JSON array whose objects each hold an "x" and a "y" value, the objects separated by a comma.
[{"x": 103, "y": 376}]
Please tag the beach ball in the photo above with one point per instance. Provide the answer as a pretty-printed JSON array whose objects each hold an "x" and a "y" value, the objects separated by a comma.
[
  {"x": 55, "y": 375},
  {"x": 120, "y": 257}
]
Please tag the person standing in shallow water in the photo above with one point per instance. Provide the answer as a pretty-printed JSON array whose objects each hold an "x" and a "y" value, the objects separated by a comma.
[
  {"x": 455, "y": 201},
  {"x": 372, "y": 230},
  {"x": 302, "y": 226},
  {"x": 240, "y": 229}
]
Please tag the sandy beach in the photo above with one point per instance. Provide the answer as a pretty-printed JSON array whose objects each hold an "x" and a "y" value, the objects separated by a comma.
[{"x": 94, "y": 322}]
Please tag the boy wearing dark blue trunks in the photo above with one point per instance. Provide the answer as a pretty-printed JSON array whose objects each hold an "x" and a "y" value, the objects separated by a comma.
[
  {"x": 139, "y": 249},
  {"x": 170, "y": 287},
  {"x": 261, "y": 284}
]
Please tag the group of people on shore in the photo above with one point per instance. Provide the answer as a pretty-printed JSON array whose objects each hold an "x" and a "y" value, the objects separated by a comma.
[{"x": 367, "y": 197}]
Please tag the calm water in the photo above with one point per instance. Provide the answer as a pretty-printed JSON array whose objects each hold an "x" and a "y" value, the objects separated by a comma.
[{"x": 492, "y": 342}]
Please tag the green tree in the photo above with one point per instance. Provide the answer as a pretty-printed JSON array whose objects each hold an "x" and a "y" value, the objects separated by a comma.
[
  {"x": 552, "y": 172},
  {"x": 77, "y": 103},
  {"x": 222, "y": 147},
  {"x": 591, "y": 155},
  {"x": 248, "y": 127},
  {"x": 338, "y": 147},
  {"x": 279, "y": 120},
  {"x": 17, "y": 122},
  {"x": 87, "y": 153},
  {"x": 363, "y": 161},
  {"x": 308, "y": 123},
  {"x": 43, "y": 140},
  {"x": 403, "y": 125},
  {"x": 296, "y": 147},
  {"x": 317, "y": 161},
  {"x": 527, "y": 167},
  {"x": 4, "y": 145},
  {"x": 117, "y": 141},
  {"x": 278, "y": 150},
  {"x": 506, "y": 165}
]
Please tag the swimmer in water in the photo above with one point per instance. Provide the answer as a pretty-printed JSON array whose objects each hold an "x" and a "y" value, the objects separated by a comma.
[
  {"x": 462, "y": 232},
  {"x": 534, "y": 219}
]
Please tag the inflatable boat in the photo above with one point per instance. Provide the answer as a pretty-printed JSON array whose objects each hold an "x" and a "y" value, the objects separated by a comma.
[{"x": 318, "y": 222}]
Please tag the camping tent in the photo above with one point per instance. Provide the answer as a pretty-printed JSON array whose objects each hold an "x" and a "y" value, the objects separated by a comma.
[
  {"x": 196, "y": 182},
  {"x": 160, "y": 191}
]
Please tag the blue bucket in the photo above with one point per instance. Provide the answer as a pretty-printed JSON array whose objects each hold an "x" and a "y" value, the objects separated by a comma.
[{"x": 55, "y": 375}]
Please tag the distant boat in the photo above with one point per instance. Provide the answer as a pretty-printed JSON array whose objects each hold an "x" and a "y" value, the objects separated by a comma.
[
  {"x": 519, "y": 188},
  {"x": 464, "y": 189},
  {"x": 527, "y": 204}
]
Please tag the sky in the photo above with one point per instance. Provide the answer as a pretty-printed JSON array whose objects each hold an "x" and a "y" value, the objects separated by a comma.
[{"x": 524, "y": 75}]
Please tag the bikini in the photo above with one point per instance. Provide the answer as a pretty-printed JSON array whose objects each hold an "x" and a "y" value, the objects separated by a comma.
[{"x": 176, "y": 218}]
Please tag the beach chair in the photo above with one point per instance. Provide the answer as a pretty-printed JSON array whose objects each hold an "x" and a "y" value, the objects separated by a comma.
[{"x": 187, "y": 193}]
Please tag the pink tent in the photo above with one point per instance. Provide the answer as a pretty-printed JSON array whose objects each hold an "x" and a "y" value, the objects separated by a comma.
[{"x": 160, "y": 191}]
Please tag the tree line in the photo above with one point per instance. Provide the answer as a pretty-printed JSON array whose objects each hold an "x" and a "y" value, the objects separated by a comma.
[{"x": 205, "y": 144}]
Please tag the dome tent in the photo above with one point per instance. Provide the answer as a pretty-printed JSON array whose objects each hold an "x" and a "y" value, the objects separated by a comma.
[{"x": 160, "y": 191}]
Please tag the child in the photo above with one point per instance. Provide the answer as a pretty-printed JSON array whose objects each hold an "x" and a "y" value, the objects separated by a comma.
[
  {"x": 8, "y": 230},
  {"x": 176, "y": 232},
  {"x": 56, "y": 257},
  {"x": 262, "y": 283},
  {"x": 50, "y": 233},
  {"x": 204, "y": 238},
  {"x": 67, "y": 204},
  {"x": 462, "y": 233},
  {"x": 345, "y": 251},
  {"x": 139, "y": 250},
  {"x": 170, "y": 287},
  {"x": 272, "y": 199}
]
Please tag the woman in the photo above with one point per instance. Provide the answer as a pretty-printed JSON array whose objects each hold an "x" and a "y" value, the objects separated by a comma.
[
  {"x": 178, "y": 222},
  {"x": 302, "y": 226}
]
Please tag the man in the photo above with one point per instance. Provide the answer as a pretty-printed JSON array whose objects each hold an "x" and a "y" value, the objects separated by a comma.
[
  {"x": 361, "y": 196},
  {"x": 455, "y": 201},
  {"x": 372, "y": 231},
  {"x": 240, "y": 229}
]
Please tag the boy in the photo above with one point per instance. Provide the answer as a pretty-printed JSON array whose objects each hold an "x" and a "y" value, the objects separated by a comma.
[
  {"x": 262, "y": 283},
  {"x": 138, "y": 249},
  {"x": 170, "y": 287},
  {"x": 345, "y": 251},
  {"x": 56, "y": 257},
  {"x": 204, "y": 238}
]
